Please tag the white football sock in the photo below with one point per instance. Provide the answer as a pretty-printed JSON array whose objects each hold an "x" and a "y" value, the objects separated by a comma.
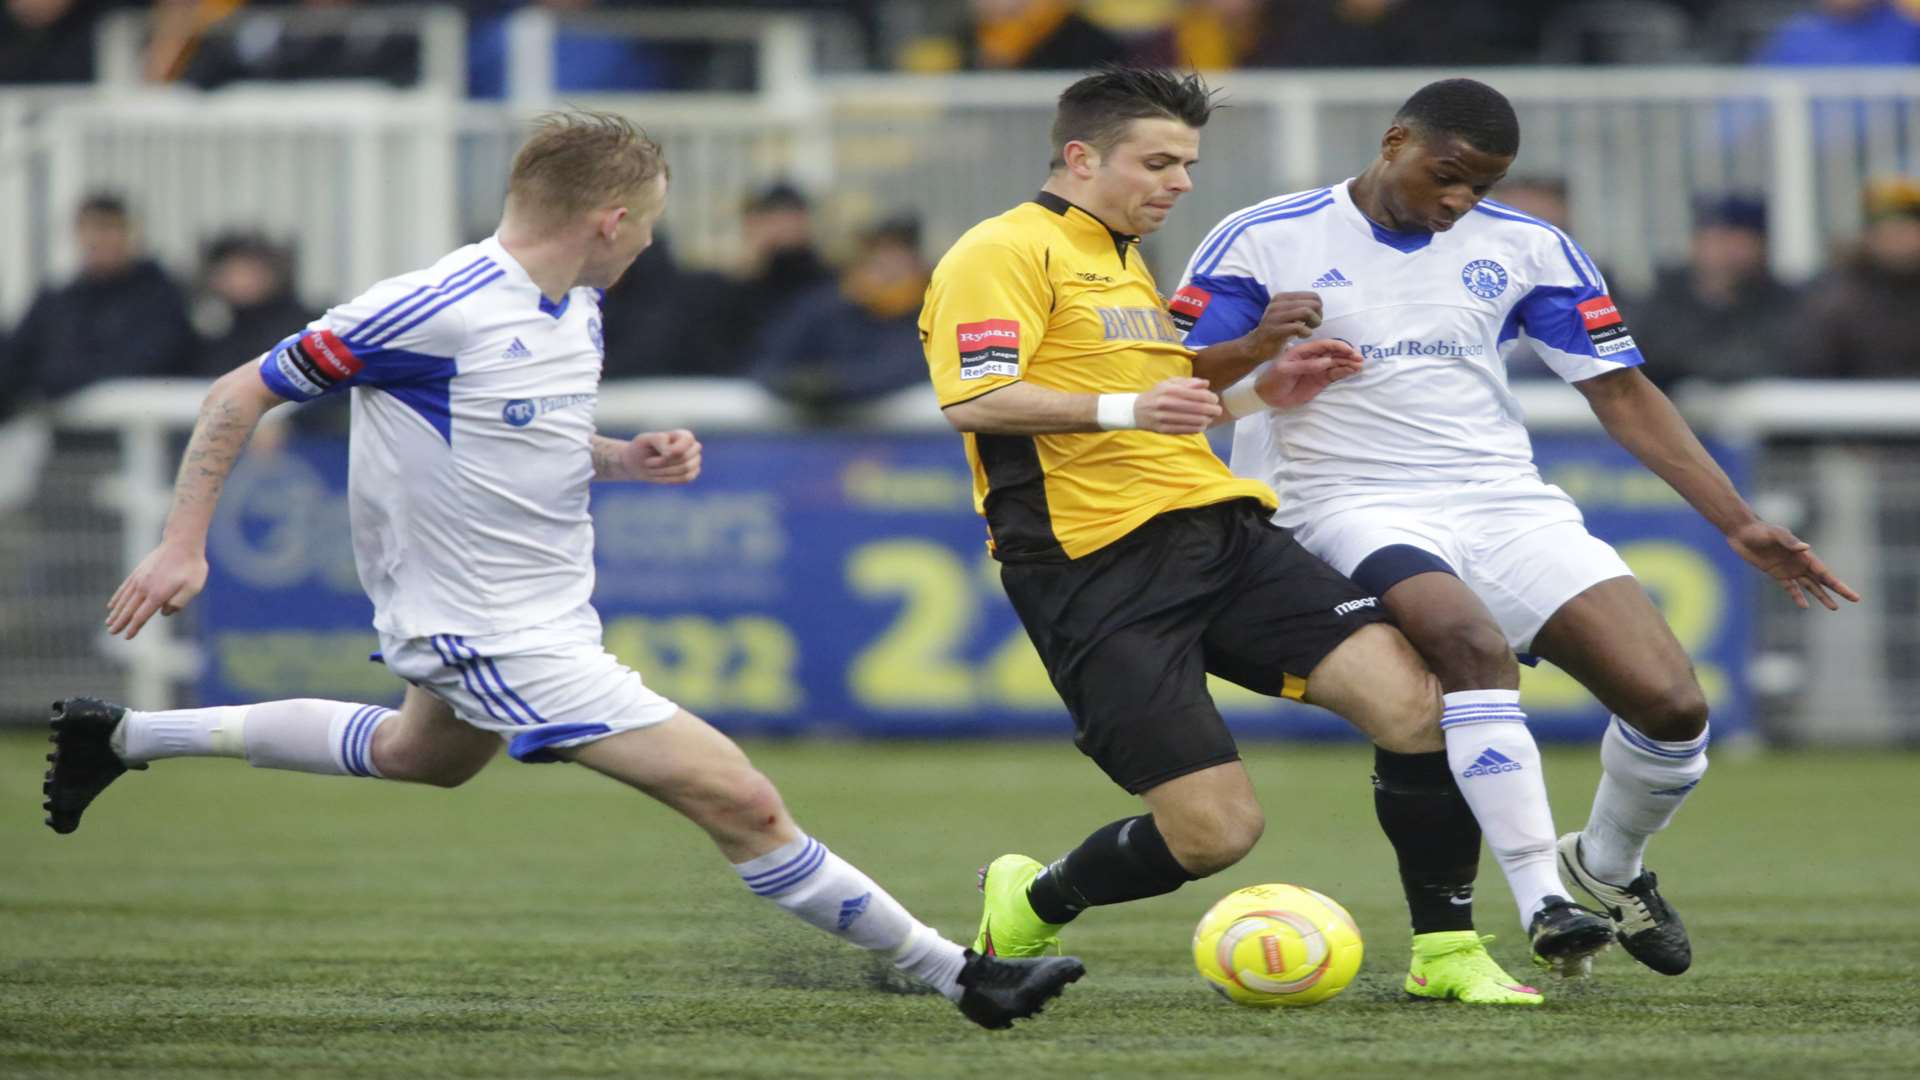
[
  {"x": 1497, "y": 765},
  {"x": 1644, "y": 783},
  {"x": 334, "y": 738},
  {"x": 826, "y": 891}
]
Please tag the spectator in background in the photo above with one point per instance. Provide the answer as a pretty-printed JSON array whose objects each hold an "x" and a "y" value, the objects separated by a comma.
[
  {"x": 47, "y": 41},
  {"x": 248, "y": 301},
  {"x": 1212, "y": 35},
  {"x": 663, "y": 319},
  {"x": 1374, "y": 33},
  {"x": 1020, "y": 35},
  {"x": 583, "y": 58},
  {"x": 1862, "y": 319},
  {"x": 122, "y": 316},
  {"x": 849, "y": 342},
  {"x": 270, "y": 44},
  {"x": 1845, "y": 32},
  {"x": 1723, "y": 317},
  {"x": 781, "y": 263}
]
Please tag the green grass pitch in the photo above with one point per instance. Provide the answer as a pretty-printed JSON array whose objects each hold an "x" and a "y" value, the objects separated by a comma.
[{"x": 215, "y": 920}]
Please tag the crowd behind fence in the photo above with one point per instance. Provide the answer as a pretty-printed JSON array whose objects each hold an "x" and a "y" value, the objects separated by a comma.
[
  {"x": 798, "y": 186},
  {"x": 1838, "y": 462}
]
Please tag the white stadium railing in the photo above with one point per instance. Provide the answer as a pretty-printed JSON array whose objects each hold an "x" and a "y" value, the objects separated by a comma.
[
  {"x": 367, "y": 181},
  {"x": 1821, "y": 467}
]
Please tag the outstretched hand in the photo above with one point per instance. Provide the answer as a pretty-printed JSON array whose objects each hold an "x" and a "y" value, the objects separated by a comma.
[
  {"x": 1790, "y": 560},
  {"x": 663, "y": 457},
  {"x": 164, "y": 582},
  {"x": 1297, "y": 375}
]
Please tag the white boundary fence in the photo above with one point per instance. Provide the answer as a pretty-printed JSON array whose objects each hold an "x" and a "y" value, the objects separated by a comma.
[
  {"x": 1817, "y": 676},
  {"x": 369, "y": 181}
]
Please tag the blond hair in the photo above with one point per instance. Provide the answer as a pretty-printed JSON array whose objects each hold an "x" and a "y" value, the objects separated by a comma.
[{"x": 581, "y": 160}]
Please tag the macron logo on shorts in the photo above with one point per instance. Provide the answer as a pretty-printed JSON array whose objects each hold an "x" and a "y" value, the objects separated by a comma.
[
  {"x": 1355, "y": 605},
  {"x": 989, "y": 347}
]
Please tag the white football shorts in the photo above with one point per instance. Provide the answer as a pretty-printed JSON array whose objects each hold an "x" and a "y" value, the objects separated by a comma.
[
  {"x": 543, "y": 687},
  {"x": 1520, "y": 544}
]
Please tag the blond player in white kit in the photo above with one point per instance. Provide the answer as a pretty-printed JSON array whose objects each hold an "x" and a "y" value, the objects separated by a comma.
[
  {"x": 1416, "y": 478},
  {"x": 472, "y": 450}
]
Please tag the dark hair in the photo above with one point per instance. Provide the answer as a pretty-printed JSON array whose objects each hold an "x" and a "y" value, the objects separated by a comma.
[
  {"x": 903, "y": 230},
  {"x": 104, "y": 204},
  {"x": 778, "y": 196},
  {"x": 1097, "y": 109},
  {"x": 1472, "y": 110}
]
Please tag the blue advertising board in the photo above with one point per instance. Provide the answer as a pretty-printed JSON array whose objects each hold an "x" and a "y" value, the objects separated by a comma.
[{"x": 838, "y": 583}]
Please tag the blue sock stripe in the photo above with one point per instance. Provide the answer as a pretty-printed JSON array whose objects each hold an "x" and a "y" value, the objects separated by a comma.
[
  {"x": 350, "y": 741},
  {"x": 501, "y": 681},
  {"x": 374, "y": 720},
  {"x": 805, "y": 850},
  {"x": 813, "y": 863},
  {"x": 479, "y": 692},
  {"x": 475, "y": 662},
  {"x": 346, "y": 742},
  {"x": 1641, "y": 741},
  {"x": 1480, "y": 710}
]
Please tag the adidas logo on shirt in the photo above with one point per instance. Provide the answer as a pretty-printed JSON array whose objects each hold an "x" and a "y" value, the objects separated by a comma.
[
  {"x": 1489, "y": 762},
  {"x": 517, "y": 351},
  {"x": 1332, "y": 279}
]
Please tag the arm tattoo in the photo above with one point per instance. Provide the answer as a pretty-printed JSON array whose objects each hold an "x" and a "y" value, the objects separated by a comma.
[
  {"x": 608, "y": 459},
  {"x": 218, "y": 437}
]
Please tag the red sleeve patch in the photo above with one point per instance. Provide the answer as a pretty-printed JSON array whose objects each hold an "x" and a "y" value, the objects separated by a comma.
[
  {"x": 1600, "y": 313},
  {"x": 331, "y": 355},
  {"x": 989, "y": 347},
  {"x": 1188, "y": 305},
  {"x": 1605, "y": 326}
]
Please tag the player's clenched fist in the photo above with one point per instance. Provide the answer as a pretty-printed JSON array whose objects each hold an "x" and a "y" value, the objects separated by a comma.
[
  {"x": 1289, "y": 315},
  {"x": 1179, "y": 406},
  {"x": 1295, "y": 376},
  {"x": 663, "y": 457},
  {"x": 165, "y": 581}
]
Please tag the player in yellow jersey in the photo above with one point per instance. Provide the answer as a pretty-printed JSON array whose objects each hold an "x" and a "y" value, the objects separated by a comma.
[{"x": 1138, "y": 563}]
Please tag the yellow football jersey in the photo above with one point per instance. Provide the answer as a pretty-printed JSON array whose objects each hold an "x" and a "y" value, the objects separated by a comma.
[{"x": 1047, "y": 294}]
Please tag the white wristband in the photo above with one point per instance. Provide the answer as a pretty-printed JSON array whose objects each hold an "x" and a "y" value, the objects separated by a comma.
[
  {"x": 1242, "y": 400},
  {"x": 1114, "y": 412}
]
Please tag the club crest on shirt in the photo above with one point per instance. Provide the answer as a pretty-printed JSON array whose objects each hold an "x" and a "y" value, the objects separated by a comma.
[{"x": 1484, "y": 278}]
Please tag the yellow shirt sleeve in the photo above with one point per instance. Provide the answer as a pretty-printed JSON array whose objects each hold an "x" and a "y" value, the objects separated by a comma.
[{"x": 986, "y": 312}]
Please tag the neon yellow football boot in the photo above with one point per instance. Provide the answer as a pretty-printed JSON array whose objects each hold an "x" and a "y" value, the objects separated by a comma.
[
  {"x": 1008, "y": 925},
  {"x": 1454, "y": 964}
]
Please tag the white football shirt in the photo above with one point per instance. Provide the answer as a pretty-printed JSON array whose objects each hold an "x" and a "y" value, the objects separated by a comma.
[
  {"x": 1432, "y": 314},
  {"x": 471, "y": 444}
]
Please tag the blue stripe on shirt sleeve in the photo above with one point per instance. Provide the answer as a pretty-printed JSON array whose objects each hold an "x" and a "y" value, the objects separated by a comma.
[{"x": 1234, "y": 308}]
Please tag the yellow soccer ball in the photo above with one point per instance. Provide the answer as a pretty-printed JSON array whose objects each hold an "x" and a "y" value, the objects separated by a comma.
[{"x": 1269, "y": 945}]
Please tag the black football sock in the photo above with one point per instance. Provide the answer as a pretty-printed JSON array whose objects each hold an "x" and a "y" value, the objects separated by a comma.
[
  {"x": 1433, "y": 832},
  {"x": 1125, "y": 860}
]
